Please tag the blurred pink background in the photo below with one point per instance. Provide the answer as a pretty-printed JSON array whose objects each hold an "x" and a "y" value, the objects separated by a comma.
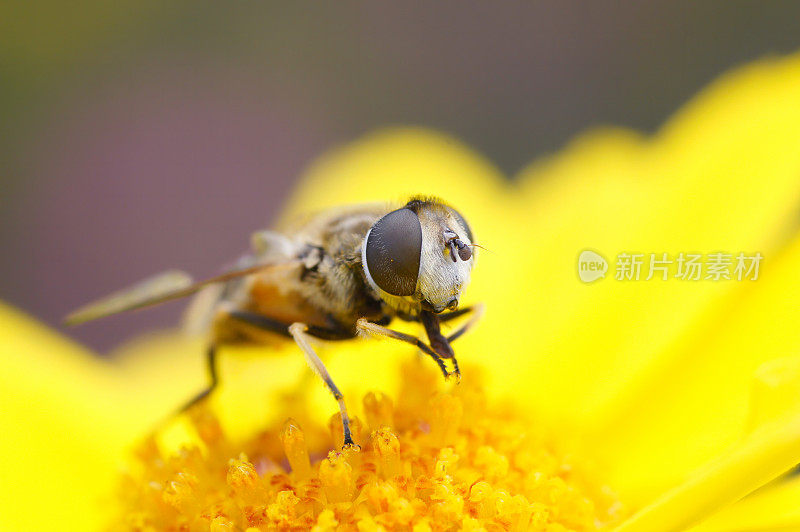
[{"x": 141, "y": 136}]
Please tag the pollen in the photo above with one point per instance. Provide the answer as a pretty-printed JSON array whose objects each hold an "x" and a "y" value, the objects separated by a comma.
[{"x": 428, "y": 460}]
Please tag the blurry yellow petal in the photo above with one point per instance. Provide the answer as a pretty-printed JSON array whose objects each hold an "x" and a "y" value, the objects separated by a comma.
[
  {"x": 654, "y": 362},
  {"x": 394, "y": 164},
  {"x": 764, "y": 455},
  {"x": 63, "y": 430},
  {"x": 721, "y": 176},
  {"x": 772, "y": 508},
  {"x": 776, "y": 390},
  {"x": 730, "y": 168},
  {"x": 768, "y": 451},
  {"x": 701, "y": 395}
]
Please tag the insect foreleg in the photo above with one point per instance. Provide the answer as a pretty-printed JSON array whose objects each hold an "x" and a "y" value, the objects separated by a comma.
[
  {"x": 365, "y": 326},
  {"x": 299, "y": 333},
  {"x": 447, "y": 316},
  {"x": 477, "y": 313}
]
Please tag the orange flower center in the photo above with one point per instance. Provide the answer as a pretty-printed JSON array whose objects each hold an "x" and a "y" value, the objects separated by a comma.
[{"x": 429, "y": 461}]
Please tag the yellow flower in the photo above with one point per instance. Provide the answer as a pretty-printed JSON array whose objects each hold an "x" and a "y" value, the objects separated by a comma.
[{"x": 663, "y": 404}]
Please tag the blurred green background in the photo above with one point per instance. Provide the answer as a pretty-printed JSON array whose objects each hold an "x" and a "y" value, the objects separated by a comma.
[{"x": 138, "y": 135}]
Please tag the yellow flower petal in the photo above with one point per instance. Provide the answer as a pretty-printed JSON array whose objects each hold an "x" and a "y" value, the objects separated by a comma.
[
  {"x": 63, "y": 430},
  {"x": 714, "y": 179},
  {"x": 775, "y": 391},
  {"x": 768, "y": 451},
  {"x": 393, "y": 165},
  {"x": 772, "y": 508},
  {"x": 701, "y": 394}
]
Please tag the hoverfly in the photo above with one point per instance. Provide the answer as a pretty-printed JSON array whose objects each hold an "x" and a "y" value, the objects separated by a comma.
[{"x": 334, "y": 275}]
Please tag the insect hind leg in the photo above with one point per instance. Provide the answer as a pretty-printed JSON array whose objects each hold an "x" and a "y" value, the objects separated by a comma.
[
  {"x": 211, "y": 362},
  {"x": 256, "y": 320},
  {"x": 299, "y": 332}
]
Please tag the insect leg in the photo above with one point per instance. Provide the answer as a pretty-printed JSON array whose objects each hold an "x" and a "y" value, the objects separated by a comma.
[
  {"x": 278, "y": 327},
  {"x": 476, "y": 315},
  {"x": 456, "y": 370},
  {"x": 299, "y": 333},
  {"x": 368, "y": 327},
  {"x": 438, "y": 341},
  {"x": 211, "y": 361},
  {"x": 262, "y": 322},
  {"x": 447, "y": 316}
]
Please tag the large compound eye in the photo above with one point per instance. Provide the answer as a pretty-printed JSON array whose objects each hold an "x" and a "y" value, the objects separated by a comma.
[
  {"x": 463, "y": 223},
  {"x": 392, "y": 252}
]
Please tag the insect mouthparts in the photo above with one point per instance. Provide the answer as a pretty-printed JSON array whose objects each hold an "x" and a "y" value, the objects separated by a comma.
[{"x": 428, "y": 306}]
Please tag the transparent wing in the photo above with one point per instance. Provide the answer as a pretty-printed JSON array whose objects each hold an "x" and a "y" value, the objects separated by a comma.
[{"x": 160, "y": 288}]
